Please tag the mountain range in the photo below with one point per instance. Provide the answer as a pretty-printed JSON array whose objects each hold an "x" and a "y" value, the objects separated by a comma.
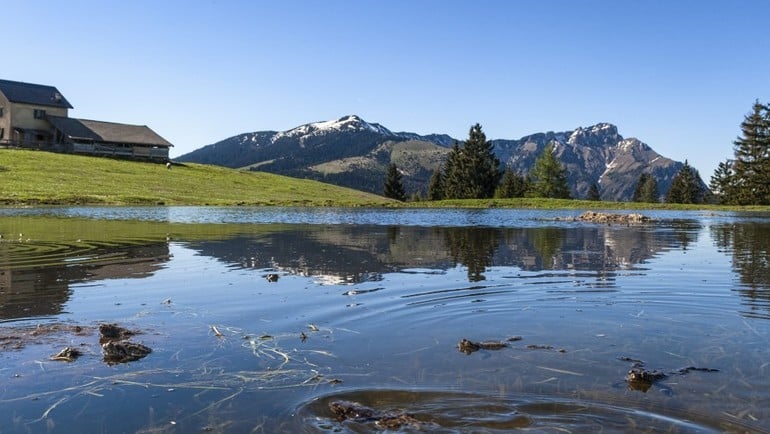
[{"x": 354, "y": 153}]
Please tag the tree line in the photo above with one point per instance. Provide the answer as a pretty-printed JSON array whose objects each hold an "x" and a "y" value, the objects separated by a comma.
[{"x": 472, "y": 171}]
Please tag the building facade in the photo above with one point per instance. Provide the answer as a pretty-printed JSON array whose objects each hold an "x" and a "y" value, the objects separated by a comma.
[{"x": 37, "y": 116}]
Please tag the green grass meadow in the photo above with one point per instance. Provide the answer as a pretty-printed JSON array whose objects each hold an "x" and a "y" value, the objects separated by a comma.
[{"x": 43, "y": 178}]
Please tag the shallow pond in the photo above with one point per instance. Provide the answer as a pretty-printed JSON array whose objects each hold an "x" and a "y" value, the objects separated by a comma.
[{"x": 260, "y": 318}]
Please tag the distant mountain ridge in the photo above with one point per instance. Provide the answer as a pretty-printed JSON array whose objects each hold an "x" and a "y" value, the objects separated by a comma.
[{"x": 354, "y": 153}]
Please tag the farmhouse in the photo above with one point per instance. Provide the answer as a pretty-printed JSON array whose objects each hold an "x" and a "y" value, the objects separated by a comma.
[{"x": 36, "y": 116}]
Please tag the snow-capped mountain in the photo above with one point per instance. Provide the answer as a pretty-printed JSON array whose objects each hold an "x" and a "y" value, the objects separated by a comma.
[
  {"x": 352, "y": 152},
  {"x": 350, "y": 123}
]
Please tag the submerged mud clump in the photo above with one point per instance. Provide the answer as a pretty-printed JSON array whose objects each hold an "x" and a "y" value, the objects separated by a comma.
[
  {"x": 68, "y": 354},
  {"x": 113, "y": 332},
  {"x": 641, "y": 379},
  {"x": 116, "y": 346},
  {"x": 16, "y": 338},
  {"x": 389, "y": 420},
  {"x": 467, "y": 346},
  {"x": 123, "y": 352}
]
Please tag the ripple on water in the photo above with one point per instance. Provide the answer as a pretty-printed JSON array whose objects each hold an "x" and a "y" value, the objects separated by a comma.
[{"x": 457, "y": 412}]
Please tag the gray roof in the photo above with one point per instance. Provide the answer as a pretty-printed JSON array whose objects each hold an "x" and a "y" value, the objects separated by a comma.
[
  {"x": 36, "y": 94},
  {"x": 108, "y": 132}
]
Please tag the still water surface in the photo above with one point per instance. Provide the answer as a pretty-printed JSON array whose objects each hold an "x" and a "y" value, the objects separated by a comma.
[{"x": 369, "y": 306}]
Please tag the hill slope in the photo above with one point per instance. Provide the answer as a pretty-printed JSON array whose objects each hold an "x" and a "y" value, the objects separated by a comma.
[{"x": 32, "y": 177}]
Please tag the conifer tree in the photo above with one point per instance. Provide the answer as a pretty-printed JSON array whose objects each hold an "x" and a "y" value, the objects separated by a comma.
[
  {"x": 453, "y": 173},
  {"x": 512, "y": 185},
  {"x": 593, "y": 193},
  {"x": 548, "y": 177},
  {"x": 685, "y": 187},
  {"x": 436, "y": 185},
  {"x": 473, "y": 171},
  {"x": 752, "y": 158},
  {"x": 722, "y": 184},
  {"x": 394, "y": 187},
  {"x": 646, "y": 189}
]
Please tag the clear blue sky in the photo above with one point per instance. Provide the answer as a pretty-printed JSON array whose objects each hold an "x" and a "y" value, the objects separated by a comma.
[{"x": 676, "y": 74}]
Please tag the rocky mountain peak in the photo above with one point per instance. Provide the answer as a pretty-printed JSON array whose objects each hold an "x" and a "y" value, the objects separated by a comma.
[{"x": 600, "y": 134}]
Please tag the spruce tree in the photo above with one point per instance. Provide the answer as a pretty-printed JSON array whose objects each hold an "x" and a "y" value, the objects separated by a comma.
[
  {"x": 481, "y": 168},
  {"x": 471, "y": 171},
  {"x": 685, "y": 187},
  {"x": 752, "y": 158},
  {"x": 453, "y": 174},
  {"x": 394, "y": 187},
  {"x": 593, "y": 193},
  {"x": 646, "y": 189},
  {"x": 548, "y": 176},
  {"x": 722, "y": 184},
  {"x": 512, "y": 185},
  {"x": 436, "y": 185}
]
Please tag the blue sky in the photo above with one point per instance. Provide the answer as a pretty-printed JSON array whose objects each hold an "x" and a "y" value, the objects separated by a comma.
[{"x": 678, "y": 75}]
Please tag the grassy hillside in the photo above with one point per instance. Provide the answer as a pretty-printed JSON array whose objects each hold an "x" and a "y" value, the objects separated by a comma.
[{"x": 32, "y": 177}]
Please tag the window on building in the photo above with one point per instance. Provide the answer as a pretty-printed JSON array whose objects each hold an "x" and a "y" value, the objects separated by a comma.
[
  {"x": 1, "y": 111},
  {"x": 39, "y": 114},
  {"x": 2, "y": 133}
]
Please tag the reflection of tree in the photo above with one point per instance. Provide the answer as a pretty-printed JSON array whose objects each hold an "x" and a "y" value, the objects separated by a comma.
[
  {"x": 686, "y": 232},
  {"x": 749, "y": 243},
  {"x": 473, "y": 248},
  {"x": 547, "y": 242}
]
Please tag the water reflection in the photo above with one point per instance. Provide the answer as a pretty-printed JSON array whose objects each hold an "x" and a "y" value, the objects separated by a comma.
[
  {"x": 354, "y": 254},
  {"x": 748, "y": 244},
  {"x": 35, "y": 282},
  {"x": 35, "y": 276}
]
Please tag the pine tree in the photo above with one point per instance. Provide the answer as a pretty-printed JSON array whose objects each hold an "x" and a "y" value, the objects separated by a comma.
[
  {"x": 752, "y": 158},
  {"x": 593, "y": 193},
  {"x": 548, "y": 176},
  {"x": 685, "y": 187},
  {"x": 646, "y": 189},
  {"x": 436, "y": 185},
  {"x": 722, "y": 184},
  {"x": 394, "y": 187},
  {"x": 512, "y": 185}
]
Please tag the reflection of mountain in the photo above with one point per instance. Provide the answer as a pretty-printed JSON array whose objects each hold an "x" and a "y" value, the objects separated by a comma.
[
  {"x": 43, "y": 288},
  {"x": 750, "y": 246},
  {"x": 353, "y": 254}
]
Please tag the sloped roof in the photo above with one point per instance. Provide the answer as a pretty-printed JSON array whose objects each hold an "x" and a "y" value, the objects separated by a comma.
[
  {"x": 36, "y": 94},
  {"x": 109, "y": 132}
]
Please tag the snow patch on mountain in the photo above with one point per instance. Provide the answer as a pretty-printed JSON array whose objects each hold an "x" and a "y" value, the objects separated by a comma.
[{"x": 344, "y": 124}]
